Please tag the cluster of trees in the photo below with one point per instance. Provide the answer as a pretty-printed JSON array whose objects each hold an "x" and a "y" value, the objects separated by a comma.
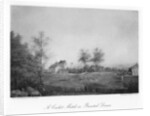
[
  {"x": 27, "y": 65},
  {"x": 85, "y": 58},
  {"x": 96, "y": 59}
]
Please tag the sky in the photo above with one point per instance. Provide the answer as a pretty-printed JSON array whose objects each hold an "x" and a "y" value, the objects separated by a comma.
[{"x": 115, "y": 32}]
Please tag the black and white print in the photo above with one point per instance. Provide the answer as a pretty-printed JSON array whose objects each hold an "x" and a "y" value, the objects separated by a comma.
[{"x": 59, "y": 51}]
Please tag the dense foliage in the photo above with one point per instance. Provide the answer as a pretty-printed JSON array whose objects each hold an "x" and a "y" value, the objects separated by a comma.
[{"x": 24, "y": 66}]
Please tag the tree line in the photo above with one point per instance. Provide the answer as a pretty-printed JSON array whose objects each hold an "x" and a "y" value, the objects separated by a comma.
[{"x": 96, "y": 58}]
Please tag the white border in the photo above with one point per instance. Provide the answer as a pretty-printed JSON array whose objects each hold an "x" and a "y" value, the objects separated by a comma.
[
  {"x": 37, "y": 105},
  {"x": 1, "y": 58}
]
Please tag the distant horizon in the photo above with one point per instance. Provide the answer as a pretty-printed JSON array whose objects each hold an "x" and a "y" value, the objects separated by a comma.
[{"x": 115, "y": 32}]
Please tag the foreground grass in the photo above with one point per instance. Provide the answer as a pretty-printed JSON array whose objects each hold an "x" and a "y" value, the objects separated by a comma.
[
  {"x": 90, "y": 83},
  {"x": 94, "y": 83}
]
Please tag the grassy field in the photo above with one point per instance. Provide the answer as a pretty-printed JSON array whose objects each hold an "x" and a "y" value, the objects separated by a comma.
[{"x": 89, "y": 83}]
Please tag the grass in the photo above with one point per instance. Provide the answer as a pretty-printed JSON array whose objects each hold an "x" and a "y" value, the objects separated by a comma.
[
  {"x": 94, "y": 83},
  {"x": 89, "y": 83}
]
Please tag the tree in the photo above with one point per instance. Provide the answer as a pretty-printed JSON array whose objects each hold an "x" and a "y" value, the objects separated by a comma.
[
  {"x": 39, "y": 48},
  {"x": 97, "y": 57},
  {"x": 23, "y": 65},
  {"x": 84, "y": 57}
]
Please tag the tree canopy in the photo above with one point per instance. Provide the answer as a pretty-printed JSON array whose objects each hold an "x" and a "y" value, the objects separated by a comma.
[
  {"x": 23, "y": 65},
  {"x": 97, "y": 56},
  {"x": 84, "y": 56}
]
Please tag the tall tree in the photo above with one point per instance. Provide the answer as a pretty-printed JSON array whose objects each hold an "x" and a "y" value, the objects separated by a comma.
[
  {"x": 84, "y": 57},
  {"x": 39, "y": 48},
  {"x": 23, "y": 66},
  {"x": 97, "y": 57}
]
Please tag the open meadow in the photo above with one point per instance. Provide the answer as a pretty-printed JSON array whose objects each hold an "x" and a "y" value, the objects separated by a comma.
[{"x": 89, "y": 83}]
